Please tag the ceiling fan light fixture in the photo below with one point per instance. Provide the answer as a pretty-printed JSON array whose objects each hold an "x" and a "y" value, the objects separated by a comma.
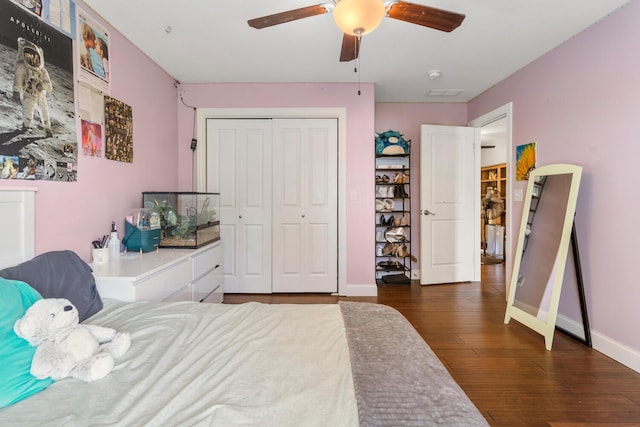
[{"x": 358, "y": 17}]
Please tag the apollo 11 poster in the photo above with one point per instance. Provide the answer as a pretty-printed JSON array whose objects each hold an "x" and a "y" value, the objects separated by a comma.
[{"x": 38, "y": 137}]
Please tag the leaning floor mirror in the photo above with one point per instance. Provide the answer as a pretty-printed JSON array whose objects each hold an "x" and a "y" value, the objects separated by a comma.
[{"x": 542, "y": 248}]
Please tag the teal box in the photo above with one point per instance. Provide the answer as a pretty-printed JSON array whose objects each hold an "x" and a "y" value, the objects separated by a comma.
[{"x": 137, "y": 239}]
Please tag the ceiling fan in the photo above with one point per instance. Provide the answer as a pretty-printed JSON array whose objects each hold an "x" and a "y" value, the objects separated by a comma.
[{"x": 358, "y": 17}]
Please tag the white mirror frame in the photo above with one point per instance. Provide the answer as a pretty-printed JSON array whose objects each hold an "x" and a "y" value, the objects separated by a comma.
[{"x": 545, "y": 327}]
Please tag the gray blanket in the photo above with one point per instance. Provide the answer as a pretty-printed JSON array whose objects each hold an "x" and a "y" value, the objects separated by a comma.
[{"x": 392, "y": 392}]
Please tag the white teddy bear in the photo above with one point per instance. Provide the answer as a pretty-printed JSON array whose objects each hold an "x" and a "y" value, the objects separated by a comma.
[{"x": 66, "y": 348}]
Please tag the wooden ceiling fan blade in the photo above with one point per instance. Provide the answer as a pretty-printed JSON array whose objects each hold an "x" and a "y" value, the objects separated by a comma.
[
  {"x": 288, "y": 16},
  {"x": 426, "y": 16},
  {"x": 350, "y": 48}
]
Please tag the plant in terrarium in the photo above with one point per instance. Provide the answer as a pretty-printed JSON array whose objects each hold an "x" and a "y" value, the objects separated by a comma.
[
  {"x": 168, "y": 217},
  {"x": 184, "y": 228}
]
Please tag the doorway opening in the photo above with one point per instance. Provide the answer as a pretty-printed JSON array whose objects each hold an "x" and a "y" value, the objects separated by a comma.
[{"x": 495, "y": 131}]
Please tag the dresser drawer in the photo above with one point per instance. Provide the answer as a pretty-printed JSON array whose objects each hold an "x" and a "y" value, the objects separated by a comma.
[
  {"x": 206, "y": 285},
  {"x": 184, "y": 294},
  {"x": 165, "y": 282},
  {"x": 208, "y": 260},
  {"x": 215, "y": 297}
]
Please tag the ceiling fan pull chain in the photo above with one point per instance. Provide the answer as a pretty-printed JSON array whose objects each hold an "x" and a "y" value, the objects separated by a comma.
[{"x": 357, "y": 66}]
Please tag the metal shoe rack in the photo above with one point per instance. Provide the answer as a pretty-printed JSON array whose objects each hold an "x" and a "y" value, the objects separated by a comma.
[{"x": 393, "y": 219}]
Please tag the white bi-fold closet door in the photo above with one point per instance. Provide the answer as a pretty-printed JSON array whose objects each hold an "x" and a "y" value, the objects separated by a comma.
[{"x": 278, "y": 202}]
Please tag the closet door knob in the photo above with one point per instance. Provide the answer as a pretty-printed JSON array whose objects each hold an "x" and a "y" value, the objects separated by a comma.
[
  {"x": 240, "y": 216},
  {"x": 302, "y": 215}
]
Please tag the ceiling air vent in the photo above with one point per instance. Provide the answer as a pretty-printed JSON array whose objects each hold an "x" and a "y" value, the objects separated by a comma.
[{"x": 445, "y": 92}]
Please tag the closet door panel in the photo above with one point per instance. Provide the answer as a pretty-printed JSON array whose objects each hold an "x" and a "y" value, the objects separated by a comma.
[
  {"x": 254, "y": 172},
  {"x": 291, "y": 260},
  {"x": 239, "y": 167},
  {"x": 318, "y": 261},
  {"x": 307, "y": 198}
]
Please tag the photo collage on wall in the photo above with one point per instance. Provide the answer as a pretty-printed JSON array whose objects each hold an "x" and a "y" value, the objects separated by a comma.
[
  {"x": 118, "y": 120},
  {"x": 38, "y": 138}
]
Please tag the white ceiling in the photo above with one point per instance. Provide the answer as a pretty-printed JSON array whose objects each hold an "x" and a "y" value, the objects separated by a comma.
[{"x": 210, "y": 41}]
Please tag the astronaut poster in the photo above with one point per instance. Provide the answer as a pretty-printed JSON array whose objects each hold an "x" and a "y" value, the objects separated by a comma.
[{"x": 37, "y": 114}]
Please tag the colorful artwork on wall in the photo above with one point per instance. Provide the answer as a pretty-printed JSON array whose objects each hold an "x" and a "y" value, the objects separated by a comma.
[{"x": 525, "y": 160}]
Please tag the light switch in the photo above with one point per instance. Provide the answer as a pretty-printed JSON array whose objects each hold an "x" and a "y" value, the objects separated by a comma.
[{"x": 517, "y": 195}]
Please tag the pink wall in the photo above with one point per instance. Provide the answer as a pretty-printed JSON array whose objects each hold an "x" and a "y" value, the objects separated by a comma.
[
  {"x": 360, "y": 153},
  {"x": 579, "y": 103},
  {"x": 406, "y": 118},
  {"x": 71, "y": 215}
]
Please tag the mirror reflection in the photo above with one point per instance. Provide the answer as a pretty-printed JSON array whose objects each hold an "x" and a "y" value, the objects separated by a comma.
[
  {"x": 545, "y": 222},
  {"x": 541, "y": 252}
]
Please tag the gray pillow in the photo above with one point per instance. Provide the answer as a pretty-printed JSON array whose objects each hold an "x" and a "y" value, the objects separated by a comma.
[{"x": 60, "y": 274}]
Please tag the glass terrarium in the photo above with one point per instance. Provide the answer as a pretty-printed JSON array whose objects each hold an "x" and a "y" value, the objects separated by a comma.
[{"x": 187, "y": 219}]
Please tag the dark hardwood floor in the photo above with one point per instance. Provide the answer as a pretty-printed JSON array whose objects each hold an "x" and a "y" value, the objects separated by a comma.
[{"x": 505, "y": 369}]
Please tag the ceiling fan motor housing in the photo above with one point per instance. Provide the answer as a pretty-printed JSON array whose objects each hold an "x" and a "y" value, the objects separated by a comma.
[{"x": 358, "y": 17}]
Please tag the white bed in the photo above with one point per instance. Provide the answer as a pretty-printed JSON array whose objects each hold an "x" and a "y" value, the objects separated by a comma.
[
  {"x": 193, "y": 364},
  {"x": 210, "y": 364},
  {"x": 197, "y": 364}
]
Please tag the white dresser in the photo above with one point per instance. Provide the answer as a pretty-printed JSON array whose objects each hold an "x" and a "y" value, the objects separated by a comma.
[{"x": 164, "y": 275}]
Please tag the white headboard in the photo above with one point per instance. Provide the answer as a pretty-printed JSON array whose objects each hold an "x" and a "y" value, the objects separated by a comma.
[{"x": 17, "y": 225}]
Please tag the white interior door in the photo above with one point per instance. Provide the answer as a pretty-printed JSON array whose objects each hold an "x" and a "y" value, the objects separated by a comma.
[
  {"x": 239, "y": 167},
  {"x": 305, "y": 211},
  {"x": 449, "y": 207}
]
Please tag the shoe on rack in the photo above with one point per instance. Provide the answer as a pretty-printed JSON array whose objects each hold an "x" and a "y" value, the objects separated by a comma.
[
  {"x": 387, "y": 249},
  {"x": 391, "y": 191},
  {"x": 404, "y": 221},
  {"x": 381, "y": 206},
  {"x": 388, "y": 205},
  {"x": 382, "y": 191},
  {"x": 378, "y": 179},
  {"x": 389, "y": 221},
  {"x": 382, "y": 220}
]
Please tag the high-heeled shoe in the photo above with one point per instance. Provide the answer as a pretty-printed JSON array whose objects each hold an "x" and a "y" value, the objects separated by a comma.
[
  {"x": 382, "y": 220},
  {"x": 404, "y": 221}
]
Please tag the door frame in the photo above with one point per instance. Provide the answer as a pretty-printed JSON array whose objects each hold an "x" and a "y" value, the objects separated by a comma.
[
  {"x": 506, "y": 112},
  {"x": 200, "y": 170}
]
